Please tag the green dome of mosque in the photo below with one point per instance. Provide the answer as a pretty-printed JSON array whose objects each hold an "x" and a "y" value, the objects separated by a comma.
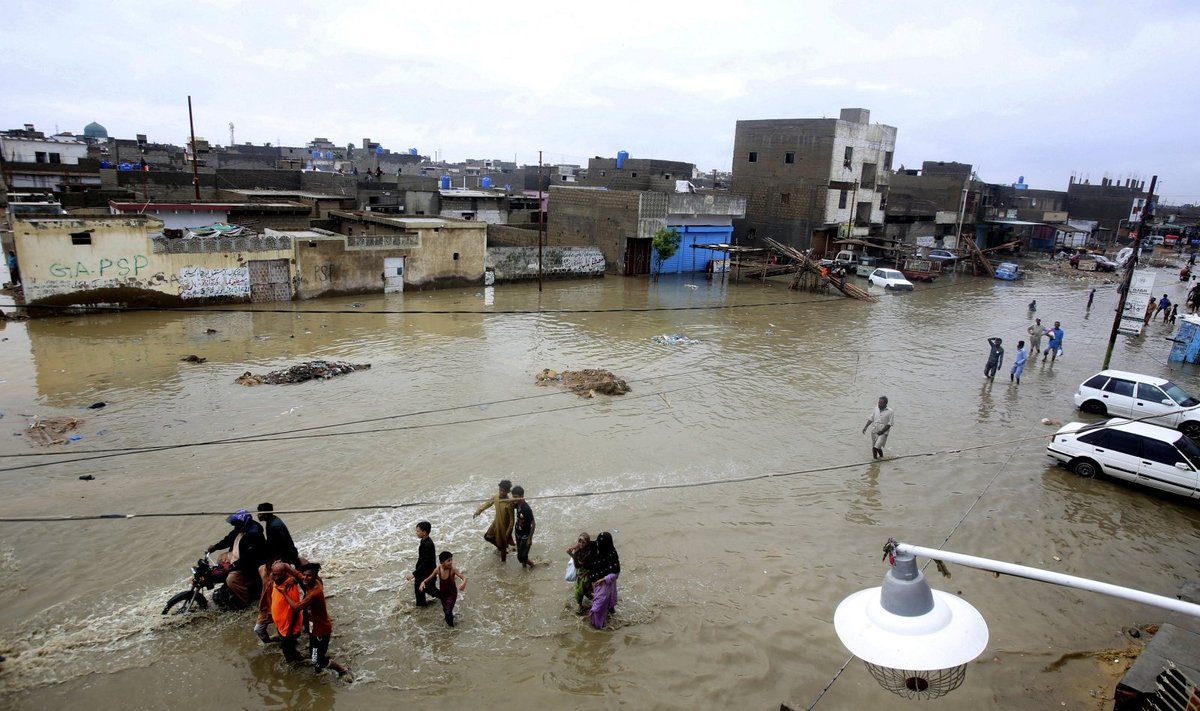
[{"x": 95, "y": 130}]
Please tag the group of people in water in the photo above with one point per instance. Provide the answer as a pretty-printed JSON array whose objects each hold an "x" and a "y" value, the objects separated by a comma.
[{"x": 265, "y": 569}]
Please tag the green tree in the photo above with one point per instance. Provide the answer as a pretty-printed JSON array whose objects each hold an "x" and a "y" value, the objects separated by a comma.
[{"x": 666, "y": 244}]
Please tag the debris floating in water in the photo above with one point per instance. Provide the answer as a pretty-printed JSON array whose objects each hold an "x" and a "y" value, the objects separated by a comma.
[
  {"x": 311, "y": 370},
  {"x": 585, "y": 383},
  {"x": 674, "y": 339}
]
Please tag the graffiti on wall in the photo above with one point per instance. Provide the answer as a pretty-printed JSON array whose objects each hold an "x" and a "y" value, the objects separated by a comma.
[
  {"x": 103, "y": 268},
  {"x": 582, "y": 261},
  {"x": 201, "y": 283}
]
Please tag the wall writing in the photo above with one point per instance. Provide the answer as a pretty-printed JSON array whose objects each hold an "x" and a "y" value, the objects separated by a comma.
[
  {"x": 104, "y": 267},
  {"x": 583, "y": 261},
  {"x": 201, "y": 283}
]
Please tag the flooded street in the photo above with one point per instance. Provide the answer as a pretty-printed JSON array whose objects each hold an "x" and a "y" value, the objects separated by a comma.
[{"x": 727, "y": 589}]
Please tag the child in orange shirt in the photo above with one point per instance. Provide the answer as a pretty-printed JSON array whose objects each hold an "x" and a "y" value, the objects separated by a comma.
[{"x": 321, "y": 623}]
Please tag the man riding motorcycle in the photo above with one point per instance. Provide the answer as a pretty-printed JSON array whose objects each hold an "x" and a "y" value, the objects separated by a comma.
[{"x": 247, "y": 550}]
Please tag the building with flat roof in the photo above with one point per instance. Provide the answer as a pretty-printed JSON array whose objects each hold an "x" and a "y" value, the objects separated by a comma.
[{"x": 809, "y": 182}]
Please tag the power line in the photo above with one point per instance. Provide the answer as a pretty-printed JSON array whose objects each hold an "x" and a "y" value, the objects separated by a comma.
[{"x": 572, "y": 495}]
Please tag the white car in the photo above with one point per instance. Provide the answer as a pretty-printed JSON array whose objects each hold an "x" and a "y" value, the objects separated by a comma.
[
  {"x": 889, "y": 279},
  {"x": 1117, "y": 393},
  {"x": 1138, "y": 452}
]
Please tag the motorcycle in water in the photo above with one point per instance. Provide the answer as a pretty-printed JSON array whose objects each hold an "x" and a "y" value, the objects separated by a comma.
[{"x": 206, "y": 575}]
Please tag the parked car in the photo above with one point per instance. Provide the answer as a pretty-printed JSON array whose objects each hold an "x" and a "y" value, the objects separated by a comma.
[
  {"x": 944, "y": 256},
  {"x": 889, "y": 279},
  {"x": 1103, "y": 263},
  {"x": 1009, "y": 271},
  {"x": 1124, "y": 394},
  {"x": 1138, "y": 452}
]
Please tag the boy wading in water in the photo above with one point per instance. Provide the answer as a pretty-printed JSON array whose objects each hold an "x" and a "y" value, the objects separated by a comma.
[
  {"x": 524, "y": 526},
  {"x": 446, "y": 573},
  {"x": 426, "y": 563},
  {"x": 321, "y": 623}
]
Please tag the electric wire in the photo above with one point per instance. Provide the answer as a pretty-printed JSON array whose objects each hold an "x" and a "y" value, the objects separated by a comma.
[{"x": 570, "y": 495}]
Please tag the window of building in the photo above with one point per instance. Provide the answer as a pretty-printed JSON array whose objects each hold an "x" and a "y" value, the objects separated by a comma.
[
  {"x": 81, "y": 238},
  {"x": 785, "y": 198},
  {"x": 456, "y": 256},
  {"x": 753, "y": 157},
  {"x": 789, "y": 157},
  {"x": 849, "y": 156},
  {"x": 55, "y": 158},
  {"x": 887, "y": 160},
  {"x": 842, "y": 200},
  {"x": 602, "y": 174},
  {"x": 862, "y": 216},
  {"x": 868, "y": 176},
  {"x": 634, "y": 174},
  {"x": 39, "y": 157},
  {"x": 666, "y": 176}
]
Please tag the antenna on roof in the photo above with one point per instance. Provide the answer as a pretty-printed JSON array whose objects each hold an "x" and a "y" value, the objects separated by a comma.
[{"x": 231, "y": 141}]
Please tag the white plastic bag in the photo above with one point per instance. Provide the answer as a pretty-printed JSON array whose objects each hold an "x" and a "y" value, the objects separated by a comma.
[{"x": 570, "y": 574}]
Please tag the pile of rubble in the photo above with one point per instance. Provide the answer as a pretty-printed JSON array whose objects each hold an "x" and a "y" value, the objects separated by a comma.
[
  {"x": 45, "y": 431},
  {"x": 312, "y": 370},
  {"x": 585, "y": 383}
]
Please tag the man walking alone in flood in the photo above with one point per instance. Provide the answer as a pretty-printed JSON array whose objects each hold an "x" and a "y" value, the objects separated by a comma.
[{"x": 880, "y": 423}]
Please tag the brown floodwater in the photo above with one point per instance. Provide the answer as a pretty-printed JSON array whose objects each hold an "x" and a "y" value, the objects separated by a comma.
[{"x": 727, "y": 590}]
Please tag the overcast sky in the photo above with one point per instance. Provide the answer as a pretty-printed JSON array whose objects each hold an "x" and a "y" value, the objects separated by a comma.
[{"x": 1041, "y": 90}]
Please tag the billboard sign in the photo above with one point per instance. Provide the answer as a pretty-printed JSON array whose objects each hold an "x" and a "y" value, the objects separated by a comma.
[{"x": 1141, "y": 293}]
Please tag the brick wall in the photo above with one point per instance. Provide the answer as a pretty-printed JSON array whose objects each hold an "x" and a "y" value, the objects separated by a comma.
[
  {"x": 598, "y": 218},
  {"x": 636, "y": 174},
  {"x": 520, "y": 263},
  {"x": 511, "y": 236}
]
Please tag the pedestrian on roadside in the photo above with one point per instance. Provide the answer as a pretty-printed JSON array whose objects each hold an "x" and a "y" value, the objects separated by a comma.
[
  {"x": 995, "y": 358},
  {"x": 446, "y": 573},
  {"x": 279, "y": 548},
  {"x": 1170, "y": 318},
  {"x": 14, "y": 272},
  {"x": 1163, "y": 304},
  {"x": 605, "y": 568},
  {"x": 1149, "y": 312},
  {"x": 1018, "y": 363},
  {"x": 1194, "y": 298},
  {"x": 880, "y": 421},
  {"x": 1091, "y": 298},
  {"x": 1055, "y": 346},
  {"x": 499, "y": 534},
  {"x": 524, "y": 526},
  {"x": 1036, "y": 331},
  {"x": 426, "y": 562},
  {"x": 1033, "y": 306}
]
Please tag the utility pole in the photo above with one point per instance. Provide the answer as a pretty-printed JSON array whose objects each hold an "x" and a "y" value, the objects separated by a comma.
[
  {"x": 195, "y": 172},
  {"x": 541, "y": 221},
  {"x": 1147, "y": 213}
]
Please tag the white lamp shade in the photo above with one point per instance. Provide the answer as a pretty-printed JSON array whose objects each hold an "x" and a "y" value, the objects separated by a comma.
[{"x": 951, "y": 634}]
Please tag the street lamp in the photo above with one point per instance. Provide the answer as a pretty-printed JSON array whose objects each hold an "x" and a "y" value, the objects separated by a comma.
[{"x": 916, "y": 641}]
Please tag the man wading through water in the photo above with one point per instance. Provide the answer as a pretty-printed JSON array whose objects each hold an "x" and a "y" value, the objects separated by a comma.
[{"x": 880, "y": 423}]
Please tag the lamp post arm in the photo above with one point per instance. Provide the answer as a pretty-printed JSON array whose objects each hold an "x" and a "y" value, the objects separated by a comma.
[{"x": 1045, "y": 576}]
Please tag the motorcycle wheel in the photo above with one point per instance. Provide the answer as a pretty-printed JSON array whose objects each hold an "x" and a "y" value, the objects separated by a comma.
[{"x": 189, "y": 600}]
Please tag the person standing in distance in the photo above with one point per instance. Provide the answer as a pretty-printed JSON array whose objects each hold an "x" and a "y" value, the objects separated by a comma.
[{"x": 880, "y": 423}]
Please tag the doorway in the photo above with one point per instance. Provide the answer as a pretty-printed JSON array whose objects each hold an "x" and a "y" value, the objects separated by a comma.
[
  {"x": 270, "y": 280},
  {"x": 393, "y": 275},
  {"x": 637, "y": 256}
]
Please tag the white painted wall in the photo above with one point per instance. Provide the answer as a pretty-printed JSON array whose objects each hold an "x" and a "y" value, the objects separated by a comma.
[{"x": 24, "y": 150}]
